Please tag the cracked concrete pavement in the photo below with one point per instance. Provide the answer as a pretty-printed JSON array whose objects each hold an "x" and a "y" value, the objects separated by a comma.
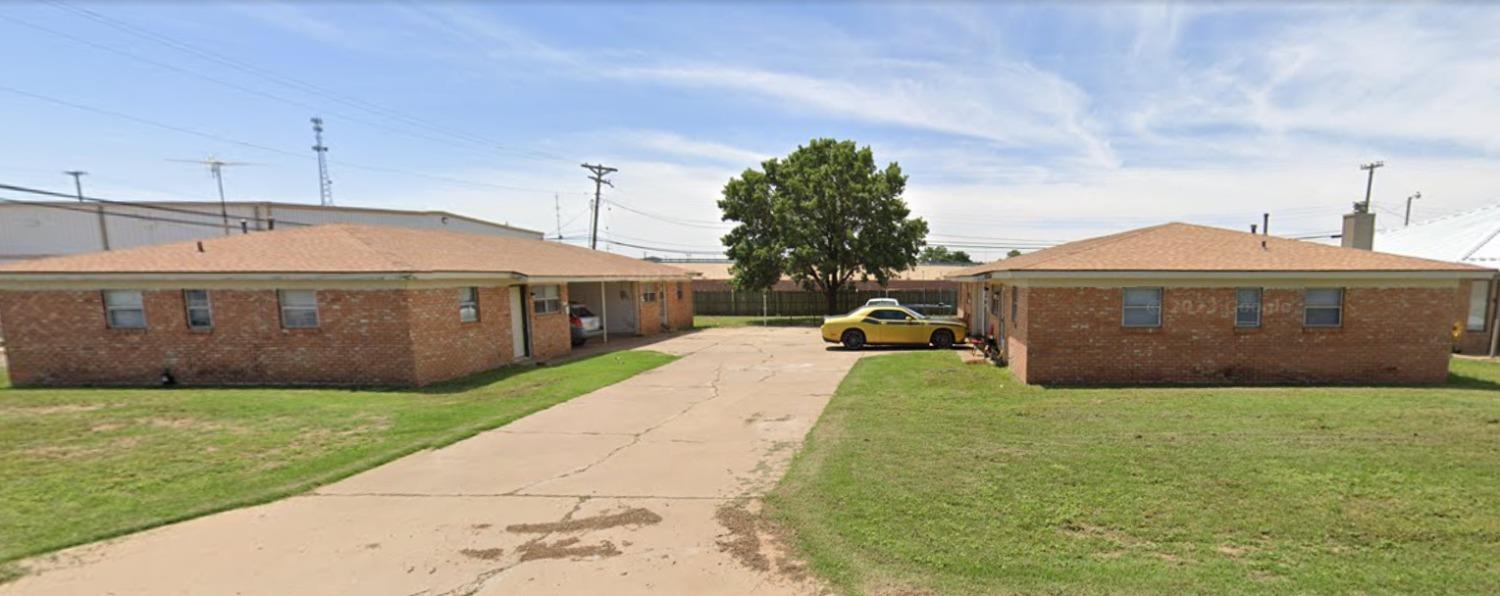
[{"x": 618, "y": 491}]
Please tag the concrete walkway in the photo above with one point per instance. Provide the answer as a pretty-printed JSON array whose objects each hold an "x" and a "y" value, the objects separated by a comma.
[{"x": 646, "y": 486}]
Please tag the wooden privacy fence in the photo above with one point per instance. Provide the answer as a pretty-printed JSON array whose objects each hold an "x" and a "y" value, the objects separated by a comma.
[{"x": 926, "y": 301}]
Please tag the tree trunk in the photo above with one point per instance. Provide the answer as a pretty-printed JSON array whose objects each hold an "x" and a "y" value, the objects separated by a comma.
[{"x": 831, "y": 294}]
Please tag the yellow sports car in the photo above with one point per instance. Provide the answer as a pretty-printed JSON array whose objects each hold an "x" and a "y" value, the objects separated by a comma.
[{"x": 887, "y": 325}]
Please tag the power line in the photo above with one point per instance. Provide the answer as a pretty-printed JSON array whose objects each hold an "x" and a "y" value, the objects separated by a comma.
[
  {"x": 300, "y": 85},
  {"x": 257, "y": 146},
  {"x": 108, "y": 213},
  {"x": 142, "y": 205},
  {"x": 672, "y": 220}
]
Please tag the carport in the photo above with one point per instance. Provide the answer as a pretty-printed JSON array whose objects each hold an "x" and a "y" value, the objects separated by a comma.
[{"x": 613, "y": 301}]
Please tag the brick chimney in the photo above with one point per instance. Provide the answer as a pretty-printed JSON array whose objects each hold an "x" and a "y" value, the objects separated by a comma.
[{"x": 1359, "y": 228}]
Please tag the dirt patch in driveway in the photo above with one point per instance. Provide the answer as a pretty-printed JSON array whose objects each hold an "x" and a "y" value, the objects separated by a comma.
[
  {"x": 483, "y": 554},
  {"x": 566, "y": 548},
  {"x": 634, "y": 516},
  {"x": 754, "y": 541}
]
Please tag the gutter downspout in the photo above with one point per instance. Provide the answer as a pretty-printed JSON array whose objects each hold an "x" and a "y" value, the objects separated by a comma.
[{"x": 1494, "y": 314}]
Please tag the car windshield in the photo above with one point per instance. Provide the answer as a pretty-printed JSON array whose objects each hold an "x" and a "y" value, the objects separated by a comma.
[
  {"x": 580, "y": 310},
  {"x": 905, "y": 310}
]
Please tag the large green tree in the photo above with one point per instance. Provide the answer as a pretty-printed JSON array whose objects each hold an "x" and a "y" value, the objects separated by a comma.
[
  {"x": 824, "y": 215},
  {"x": 942, "y": 254}
]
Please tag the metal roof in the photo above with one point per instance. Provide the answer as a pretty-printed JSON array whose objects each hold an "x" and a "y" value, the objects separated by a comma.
[{"x": 1468, "y": 237}]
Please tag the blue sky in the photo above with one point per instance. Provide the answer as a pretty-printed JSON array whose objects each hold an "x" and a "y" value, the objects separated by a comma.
[{"x": 1013, "y": 121}]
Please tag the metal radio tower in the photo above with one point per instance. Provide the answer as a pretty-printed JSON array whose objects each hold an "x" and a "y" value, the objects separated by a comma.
[{"x": 325, "y": 186}]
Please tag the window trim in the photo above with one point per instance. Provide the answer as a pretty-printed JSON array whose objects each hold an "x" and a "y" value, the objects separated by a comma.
[
  {"x": 207, "y": 307},
  {"x": 1307, "y": 308},
  {"x": 283, "y": 307},
  {"x": 1484, "y": 320},
  {"x": 109, "y": 320},
  {"x": 1125, "y": 308},
  {"x": 539, "y": 304},
  {"x": 468, "y": 297},
  {"x": 1260, "y": 301},
  {"x": 650, "y": 296}
]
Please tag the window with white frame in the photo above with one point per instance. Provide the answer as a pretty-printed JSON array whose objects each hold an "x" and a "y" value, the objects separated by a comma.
[
  {"x": 1142, "y": 307},
  {"x": 1323, "y": 307},
  {"x": 650, "y": 295},
  {"x": 299, "y": 308},
  {"x": 200, "y": 314},
  {"x": 546, "y": 299},
  {"x": 124, "y": 309},
  {"x": 1479, "y": 305},
  {"x": 1247, "y": 307},
  {"x": 680, "y": 286},
  {"x": 1015, "y": 302},
  {"x": 468, "y": 304}
]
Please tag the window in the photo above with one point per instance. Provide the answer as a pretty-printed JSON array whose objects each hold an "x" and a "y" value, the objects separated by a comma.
[
  {"x": 1015, "y": 302},
  {"x": 299, "y": 309},
  {"x": 124, "y": 309},
  {"x": 545, "y": 299},
  {"x": 649, "y": 295},
  {"x": 680, "y": 285},
  {"x": 1142, "y": 307},
  {"x": 468, "y": 304},
  {"x": 1324, "y": 307},
  {"x": 1247, "y": 307},
  {"x": 1479, "y": 305},
  {"x": 890, "y": 314},
  {"x": 200, "y": 314}
]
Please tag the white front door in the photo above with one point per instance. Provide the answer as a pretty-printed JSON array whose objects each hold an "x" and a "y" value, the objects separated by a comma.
[{"x": 518, "y": 322}]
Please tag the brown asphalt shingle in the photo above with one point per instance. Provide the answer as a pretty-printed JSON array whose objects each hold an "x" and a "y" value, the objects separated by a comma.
[
  {"x": 351, "y": 248},
  {"x": 1188, "y": 247}
]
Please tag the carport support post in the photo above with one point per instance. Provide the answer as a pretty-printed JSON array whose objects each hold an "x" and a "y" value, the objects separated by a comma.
[{"x": 604, "y": 311}]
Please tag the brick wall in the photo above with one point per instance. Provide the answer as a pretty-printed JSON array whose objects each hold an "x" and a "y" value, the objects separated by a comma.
[
  {"x": 1018, "y": 331},
  {"x": 680, "y": 305},
  {"x": 446, "y": 347},
  {"x": 60, "y": 338},
  {"x": 1389, "y": 335},
  {"x": 550, "y": 334},
  {"x": 648, "y": 314},
  {"x": 1473, "y": 342}
]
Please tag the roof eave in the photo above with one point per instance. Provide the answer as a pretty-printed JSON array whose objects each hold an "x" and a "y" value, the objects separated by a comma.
[{"x": 1178, "y": 274}]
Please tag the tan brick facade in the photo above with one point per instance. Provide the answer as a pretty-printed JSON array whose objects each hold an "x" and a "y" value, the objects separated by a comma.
[
  {"x": 1074, "y": 335},
  {"x": 1473, "y": 341},
  {"x": 364, "y": 337}
]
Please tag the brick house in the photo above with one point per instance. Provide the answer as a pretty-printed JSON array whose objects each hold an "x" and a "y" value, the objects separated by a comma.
[
  {"x": 1471, "y": 237},
  {"x": 1180, "y": 303},
  {"x": 327, "y": 305}
]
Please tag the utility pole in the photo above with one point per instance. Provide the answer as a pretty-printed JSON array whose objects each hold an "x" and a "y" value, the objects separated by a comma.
[
  {"x": 1369, "y": 184},
  {"x": 557, "y": 211},
  {"x": 216, "y": 168},
  {"x": 325, "y": 186},
  {"x": 103, "y": 225},
  {"x": 1409, "y": 199},
  {"x": 599, "y": 172}
]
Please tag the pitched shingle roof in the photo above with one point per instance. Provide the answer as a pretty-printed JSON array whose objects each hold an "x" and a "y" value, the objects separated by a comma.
[
  {"x": 353, "y": 248},
  {"x": 1180, "y": 247}
]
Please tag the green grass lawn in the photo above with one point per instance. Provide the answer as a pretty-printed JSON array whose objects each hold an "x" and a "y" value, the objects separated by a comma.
[
  {"x": 78, "y": 465},
  {"x": 925, "y": 474},
  {"x": 706, "y": 321}
]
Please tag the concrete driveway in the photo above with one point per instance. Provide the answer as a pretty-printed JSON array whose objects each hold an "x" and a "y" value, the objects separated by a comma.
[{"x": 646, "y": 486}]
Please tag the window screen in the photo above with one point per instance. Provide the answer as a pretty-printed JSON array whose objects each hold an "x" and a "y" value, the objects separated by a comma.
[
  {"x": 125, "y": 309},
  {"x": 199, "y": 312},
  {"x": 1142, "y": 307},
  {"x": 1479, "y": 305},
  {"x": 1247, "y": 307},
  {"x": 1324, "y": 307},
  {"x": 299, "y": 309},
  {"x": 468, "y": 304}
]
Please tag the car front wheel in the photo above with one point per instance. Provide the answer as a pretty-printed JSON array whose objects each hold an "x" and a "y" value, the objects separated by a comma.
[
  {"x": 942, "y": 339},
  {"x": 853, "y": 339}
]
